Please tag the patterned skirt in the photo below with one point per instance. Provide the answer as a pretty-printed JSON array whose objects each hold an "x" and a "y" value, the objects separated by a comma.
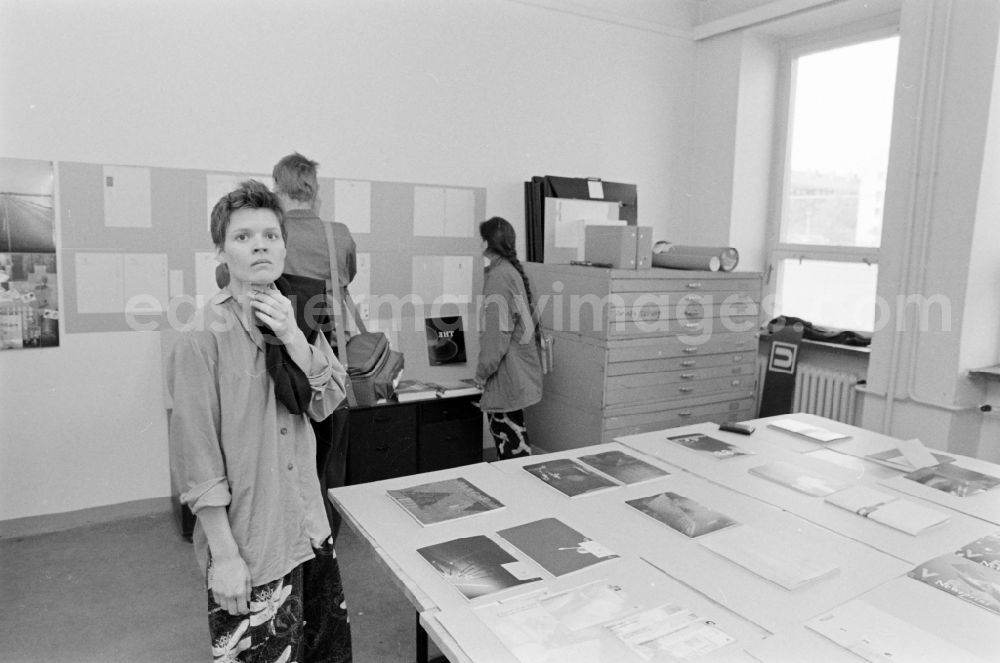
[{"x": 299, "y": 618}]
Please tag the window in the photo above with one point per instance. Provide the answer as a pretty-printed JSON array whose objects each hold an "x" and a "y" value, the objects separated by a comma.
[{"x": 824, "y": 250}]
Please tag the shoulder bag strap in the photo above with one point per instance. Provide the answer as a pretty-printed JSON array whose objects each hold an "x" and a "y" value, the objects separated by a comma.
[
  {"x": 335, "y": 303},
  {"x": 353, "y": 310},
  {"x": 335, "y": 299}
]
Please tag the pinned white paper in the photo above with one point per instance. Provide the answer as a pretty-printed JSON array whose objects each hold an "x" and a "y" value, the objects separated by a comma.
[
  {"x": 127, "y": 197},
  {"x": 595, "y": 188},
  {"x": 352, "y": 204}
]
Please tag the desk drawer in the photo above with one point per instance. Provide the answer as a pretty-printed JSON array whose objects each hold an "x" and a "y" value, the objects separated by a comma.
[
  {"x": 383, "y": 443},
  {"x": 450, "y": 443},
  {"x": 449, "y": 409}
]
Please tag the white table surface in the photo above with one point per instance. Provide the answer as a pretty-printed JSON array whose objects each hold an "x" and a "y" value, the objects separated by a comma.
[
  {"x": 767, "y": 619},
  {"x": 769, "y": 445}
]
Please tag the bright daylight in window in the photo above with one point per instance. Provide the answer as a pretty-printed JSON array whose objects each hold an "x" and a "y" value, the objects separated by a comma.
[{"x": 840, "y": 117}]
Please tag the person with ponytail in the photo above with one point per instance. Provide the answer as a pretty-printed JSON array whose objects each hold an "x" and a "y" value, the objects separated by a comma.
[{"x": 509, "y": 369}]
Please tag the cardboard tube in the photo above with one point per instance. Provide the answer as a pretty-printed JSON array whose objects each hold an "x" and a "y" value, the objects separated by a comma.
[
  {"x": 672, "y": 260},
  {"x": 728, "y": 256}
]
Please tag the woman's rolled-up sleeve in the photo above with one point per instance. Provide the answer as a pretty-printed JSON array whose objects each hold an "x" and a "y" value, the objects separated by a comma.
[
  {"x": 328, "y": 379},
  {"x": 194, "y": 425}
]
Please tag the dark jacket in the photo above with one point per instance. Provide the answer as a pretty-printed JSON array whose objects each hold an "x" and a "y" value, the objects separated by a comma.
[{"x": 508, "y": 356}]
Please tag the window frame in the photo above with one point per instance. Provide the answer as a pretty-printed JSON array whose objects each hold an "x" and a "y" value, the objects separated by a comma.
[{"x": 790, "y": 50}]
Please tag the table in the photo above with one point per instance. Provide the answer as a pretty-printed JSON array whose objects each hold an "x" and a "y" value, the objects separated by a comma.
[{"x": 656, "y": 564}]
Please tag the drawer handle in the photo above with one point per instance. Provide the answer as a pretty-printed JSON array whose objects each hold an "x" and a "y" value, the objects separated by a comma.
[
  {"x": 688, "y": 363},
  {"x": 686, "y": 390},
  {"x": 687, "y": 376},
  {"x": 737, "y": 358},
  {"x": 692, "y": 325},
  {"x": 686, "y": 413},
  {"x": 737, "y": 383},
  {"x": 694, "y": 285},
  {"x": 691, "y": 349}
]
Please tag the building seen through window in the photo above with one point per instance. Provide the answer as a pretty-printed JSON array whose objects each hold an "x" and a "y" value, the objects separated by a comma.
[{"x": 824, "y": 260}]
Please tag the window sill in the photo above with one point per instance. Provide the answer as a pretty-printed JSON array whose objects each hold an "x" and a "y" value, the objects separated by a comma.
[
  {"x": 860, "y": 349},
  {"x": 836, "y": 347},
  {"x": 988, "y": 372}
]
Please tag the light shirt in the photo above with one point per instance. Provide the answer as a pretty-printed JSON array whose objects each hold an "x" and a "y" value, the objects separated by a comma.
[{"x": 238, "y": 447}]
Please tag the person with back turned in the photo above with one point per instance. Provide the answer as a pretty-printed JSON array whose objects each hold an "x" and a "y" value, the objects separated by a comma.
[
  {"x": 509, "y": 370},
  {"x": 297, "y": 187}
]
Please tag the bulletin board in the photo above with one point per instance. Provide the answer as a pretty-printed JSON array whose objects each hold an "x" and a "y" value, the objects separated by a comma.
[{"x": 137, "y": 254}]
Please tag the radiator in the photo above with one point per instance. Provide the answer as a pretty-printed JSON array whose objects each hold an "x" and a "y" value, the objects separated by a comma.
[{"x": 822, "y": 392}]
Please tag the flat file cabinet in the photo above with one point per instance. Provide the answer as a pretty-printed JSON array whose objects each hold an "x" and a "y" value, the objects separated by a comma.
[{"x": 641, "y": 350}]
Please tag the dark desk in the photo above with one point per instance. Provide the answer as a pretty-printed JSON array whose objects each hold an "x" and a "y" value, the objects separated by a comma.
[{"x": 397, "y": 439}]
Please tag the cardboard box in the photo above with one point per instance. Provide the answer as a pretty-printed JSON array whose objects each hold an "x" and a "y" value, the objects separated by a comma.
[
  {"x": 613, "y": 245},
  {"x": 644, "y": 247},
  {"x": 622, "y": 247}
]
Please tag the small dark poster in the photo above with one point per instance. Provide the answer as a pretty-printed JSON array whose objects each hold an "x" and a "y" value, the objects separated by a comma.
[{"x": 445, "y": 340}]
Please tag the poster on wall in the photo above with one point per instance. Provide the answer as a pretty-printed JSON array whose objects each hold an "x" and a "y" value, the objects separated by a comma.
[
  {"x": 29, "y": 299},
  {"x": 445, "y": 340}
]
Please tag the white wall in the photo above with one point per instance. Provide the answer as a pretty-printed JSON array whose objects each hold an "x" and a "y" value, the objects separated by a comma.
[
  {"x": 477, "y": 93},
  {"x": 940, "y": 229}
]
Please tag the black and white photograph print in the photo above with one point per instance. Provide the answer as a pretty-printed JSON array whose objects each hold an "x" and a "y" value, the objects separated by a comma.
[
  {"x": 623, "y": 467},
  {"x": 954, "y": 480},
  {"x": 708, "y": 445},
  {"x": 569, "y": 477},
  {"x": 27, "y": 215},
  {"x": 681, "y": 513}
]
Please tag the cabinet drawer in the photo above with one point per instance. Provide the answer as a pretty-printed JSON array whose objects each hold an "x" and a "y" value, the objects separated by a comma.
[
  {"x": 714, "y": 282},
  {"x": 648, "y": 306},
  {"x": 448, "y": 409},
  {"x": 734, "y": 361},
  {"x": 672, "y": 391},
  {"x": 450, "y": 443},
  {"x": 727, "y": 410},
  {"x": 683, "y": 376},
  {"x": 676, "y": 346},
  {"x": 693, "y": 327}
]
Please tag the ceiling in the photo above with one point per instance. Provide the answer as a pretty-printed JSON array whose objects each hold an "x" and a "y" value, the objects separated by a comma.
[{"x": 700, "y": 19}]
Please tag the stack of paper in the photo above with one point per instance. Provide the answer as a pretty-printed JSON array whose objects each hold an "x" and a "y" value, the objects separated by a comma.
[
  {"x": 807, "y": 431},
  {"x": 465, "y": 387},
  {"x": 798, "y": 478},
  {"x": 414, "y": 390},
  {"x": 769, "y": 557},
  {"x": 598, "y": 621},
  {"x": 904, "y": 515},
  {"x": 875, "y": 635}
]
